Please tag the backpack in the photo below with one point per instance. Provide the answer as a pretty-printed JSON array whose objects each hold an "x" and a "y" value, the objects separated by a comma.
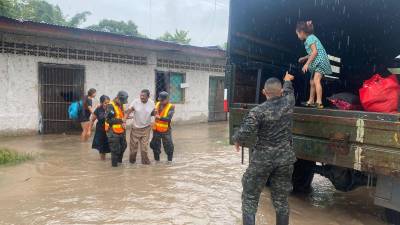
[{"x": 74, "y": 110}]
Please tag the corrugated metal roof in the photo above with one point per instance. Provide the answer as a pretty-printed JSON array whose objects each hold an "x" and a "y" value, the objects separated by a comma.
[{"x": 99, "y": 37}]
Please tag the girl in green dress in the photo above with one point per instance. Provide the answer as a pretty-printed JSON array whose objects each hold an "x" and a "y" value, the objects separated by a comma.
[{"x": 316, "y": 62}]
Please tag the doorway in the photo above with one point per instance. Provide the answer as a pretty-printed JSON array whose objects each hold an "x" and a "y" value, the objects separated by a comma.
[
  {"x": 59, "y": 86},
  {"x": 216, "y": 100}
]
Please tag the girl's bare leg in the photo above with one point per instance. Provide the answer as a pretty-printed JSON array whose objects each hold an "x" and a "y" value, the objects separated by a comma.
[
  {"x": 311, "y": 100},
  {"x": 88, "y": 130},
  {"x": 83, "y": 131},
  {"x": 318, "y": 86}
]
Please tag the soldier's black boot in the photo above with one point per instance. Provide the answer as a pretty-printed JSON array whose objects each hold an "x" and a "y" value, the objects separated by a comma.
[
  {"x": 156, "y": 156},
  {"x": 120, "y": 156},
  {"x": 114, "y": 159},
  {"x": 282, "y": 219},
  {"x": 249, "y": 219},
  {"x": 170, "y": 155}
]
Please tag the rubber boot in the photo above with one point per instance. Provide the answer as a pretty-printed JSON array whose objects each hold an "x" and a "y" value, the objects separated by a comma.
[
  {"x": 249, "y": 219},
  {"x": 145, "y": 158},
  {"x": 121, "y": 155},
  {"x": 170, "y": 155},
  {"x": 156, "y": 156},
  {"x": 282, "y": 219},
  {"x": 114, "y": 159},
  {"x": 132, "y": 157}
]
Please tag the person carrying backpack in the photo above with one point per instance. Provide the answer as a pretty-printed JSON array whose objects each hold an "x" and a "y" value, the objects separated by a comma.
[{"x": 86, "y": 113}]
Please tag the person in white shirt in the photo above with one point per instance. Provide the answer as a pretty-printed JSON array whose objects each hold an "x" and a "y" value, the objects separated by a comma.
[{"x": 143, "y": 110}]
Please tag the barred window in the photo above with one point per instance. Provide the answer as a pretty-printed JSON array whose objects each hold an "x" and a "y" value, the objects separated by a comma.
[{"x": 171, "y": 83}]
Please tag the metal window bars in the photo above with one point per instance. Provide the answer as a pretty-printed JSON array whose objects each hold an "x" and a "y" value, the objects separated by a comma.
[{"x": 70, "y": 53}]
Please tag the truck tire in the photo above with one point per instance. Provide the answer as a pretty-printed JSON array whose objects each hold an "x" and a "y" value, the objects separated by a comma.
[
  {"x": 303, "y": 175},
  {"x": 392, "y": 216}
]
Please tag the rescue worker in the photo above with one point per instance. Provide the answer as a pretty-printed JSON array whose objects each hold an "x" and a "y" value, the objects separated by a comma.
[
  {"x": 115, "y": 127},
  {"x": 273, "y": 155},
  {"x": 164, "y": 112}
]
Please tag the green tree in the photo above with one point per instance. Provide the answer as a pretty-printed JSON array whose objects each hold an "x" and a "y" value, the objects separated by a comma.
[
  {"x": 7, "y": 8},
  {"x": 179, "y": 37},
  {"x": 39, "y": 11},
  {"x": 42, "y": 11},
  {"x": 117, "y": 27},
  {"x": 78, "y": 19},
  {"x": 224, "y": 46}
]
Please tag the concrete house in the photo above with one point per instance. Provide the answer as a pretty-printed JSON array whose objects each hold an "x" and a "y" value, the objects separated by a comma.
[{"x": 44, "y": 67}]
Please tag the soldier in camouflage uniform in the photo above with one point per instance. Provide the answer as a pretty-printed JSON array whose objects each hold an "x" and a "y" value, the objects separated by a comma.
[{"x": 273, "y": 156}]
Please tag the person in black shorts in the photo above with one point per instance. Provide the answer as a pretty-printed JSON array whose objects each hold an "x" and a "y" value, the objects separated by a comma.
[
  {"x": 86, "y": 113},
  {"x": 100, "y": 140}
]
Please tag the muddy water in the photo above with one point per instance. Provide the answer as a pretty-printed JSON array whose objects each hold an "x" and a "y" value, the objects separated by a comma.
[{"x": 67, "y": 184}]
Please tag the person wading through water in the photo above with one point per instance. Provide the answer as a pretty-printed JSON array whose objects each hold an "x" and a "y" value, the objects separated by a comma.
[
  {"x": 100, "y": 140},
  {"x": 86, "y": 113},
  {"x": 115, "y": 127},
  {"x": 143, "y": 110},
  {"x": 273, "y": 155},
  {"x": 162, "y": 127}
]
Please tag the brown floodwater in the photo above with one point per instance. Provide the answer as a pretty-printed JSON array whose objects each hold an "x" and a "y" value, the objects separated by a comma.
[{"x": 67, "y": 184}]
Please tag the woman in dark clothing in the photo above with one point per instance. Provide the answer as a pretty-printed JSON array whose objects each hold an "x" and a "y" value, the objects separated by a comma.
[
  {"x": 100, "y": 141},
  {"x": 86, "y": 113}
]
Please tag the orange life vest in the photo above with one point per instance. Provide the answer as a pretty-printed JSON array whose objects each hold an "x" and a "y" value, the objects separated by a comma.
[
  {"x": 119, "y": 114},
  {"x": 159, "y": 125}
]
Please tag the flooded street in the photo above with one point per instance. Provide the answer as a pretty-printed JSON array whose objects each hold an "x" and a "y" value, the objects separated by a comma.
[{"x": 67, "y": 184}]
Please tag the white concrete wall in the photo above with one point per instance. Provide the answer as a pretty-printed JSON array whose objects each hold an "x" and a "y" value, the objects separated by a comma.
[
  {"x": 19, "y": 86},
  {"x": 195, "y": 107}
]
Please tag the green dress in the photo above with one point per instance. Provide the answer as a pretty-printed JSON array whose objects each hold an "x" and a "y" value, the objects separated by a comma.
[{"x": 321, "y": 63}]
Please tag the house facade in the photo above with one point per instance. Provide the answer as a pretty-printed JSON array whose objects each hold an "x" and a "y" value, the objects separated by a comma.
[{"x": 43, "y": 68}]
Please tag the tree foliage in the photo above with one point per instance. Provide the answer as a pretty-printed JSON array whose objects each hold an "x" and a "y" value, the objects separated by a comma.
[
  {"x": 7, "y": 8},
  {"x": 179, "y": 37},
  {"x": 224, "y": 46},
  {"x": 78, "y": 19},
  {"x": 39, "y": 11},
  {"x": 117, "y": 27},
  {"x": 43, "y": 12}
]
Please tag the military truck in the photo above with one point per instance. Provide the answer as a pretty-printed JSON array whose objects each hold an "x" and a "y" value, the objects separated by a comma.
[{"x": 362, "y": 37}]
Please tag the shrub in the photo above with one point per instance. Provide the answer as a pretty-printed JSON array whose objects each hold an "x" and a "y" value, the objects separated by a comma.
[{"x": 8, "y": 156}]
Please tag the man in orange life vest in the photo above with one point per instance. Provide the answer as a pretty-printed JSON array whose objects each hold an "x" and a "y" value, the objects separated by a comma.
[
  {"x": 115, "y": 127},
  {"x": 162, "y": 127}
]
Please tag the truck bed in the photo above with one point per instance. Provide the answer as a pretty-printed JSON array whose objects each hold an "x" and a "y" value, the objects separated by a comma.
[{"x": 359, "y": 140}]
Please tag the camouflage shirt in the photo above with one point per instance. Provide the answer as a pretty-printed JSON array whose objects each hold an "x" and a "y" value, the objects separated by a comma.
[{"x": 272, "y": 123}]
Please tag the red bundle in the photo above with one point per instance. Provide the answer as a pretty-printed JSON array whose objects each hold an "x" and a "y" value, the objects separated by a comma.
[{"x": 380, "y": 94}]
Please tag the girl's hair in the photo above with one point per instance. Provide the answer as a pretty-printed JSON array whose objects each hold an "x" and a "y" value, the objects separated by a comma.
[
  {"x": 305, "y": 26},
  {"x": 91, "y": 91},
  {"x": 103, "y": 98}
]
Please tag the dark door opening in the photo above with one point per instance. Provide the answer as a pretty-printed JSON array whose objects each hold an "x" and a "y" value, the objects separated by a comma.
[
  {"x": 161, "y": 83},
  {"x": 59, "y": 86},
  {"x": 216, "y": 100}
]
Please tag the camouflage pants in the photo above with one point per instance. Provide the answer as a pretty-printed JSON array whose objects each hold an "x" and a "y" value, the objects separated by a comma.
[
  {"x": 166, "y": 139},
  {"x": 117, "y": 143},
  {"x": 255, "y": 178}
]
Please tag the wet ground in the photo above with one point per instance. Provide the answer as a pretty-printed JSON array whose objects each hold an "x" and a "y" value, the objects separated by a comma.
[{"x": 67, "y": 184}]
